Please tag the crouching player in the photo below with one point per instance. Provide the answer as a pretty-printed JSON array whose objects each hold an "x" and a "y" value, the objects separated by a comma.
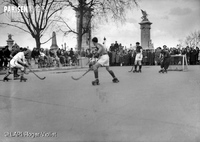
[
  {"x": 102, "y": 61},
  {"x": 18, "y": 61}
]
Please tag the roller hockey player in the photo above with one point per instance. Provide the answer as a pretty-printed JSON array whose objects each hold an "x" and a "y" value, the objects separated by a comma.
[
  {"x": 18, "y": 61},
  {"x": 15, "y": 50},
  {"x": 165, "y": 60},
  {"x": 102, "y": 61},
  {"x": 138, "y": 57}
]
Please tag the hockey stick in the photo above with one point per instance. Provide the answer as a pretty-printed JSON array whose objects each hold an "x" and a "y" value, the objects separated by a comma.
[
  {"x": 36, "y": 74},
  {"x": 31, "y": 70},
  {"x": 81, "y": 75},
  {"x": 131, "y": 69}
]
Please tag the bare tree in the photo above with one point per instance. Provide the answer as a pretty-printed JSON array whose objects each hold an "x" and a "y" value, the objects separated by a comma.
[
  {"x": 116, "y": 9},
  {"x": 38, "y": 18},
  {"x": 193, "y": 40}
]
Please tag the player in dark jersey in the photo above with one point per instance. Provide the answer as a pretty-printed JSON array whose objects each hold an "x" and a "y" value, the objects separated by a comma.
[
  {"x": 165, "y": 60},
  {"x": 138, "y": 57},
  {"x": 102, "y": 61}
]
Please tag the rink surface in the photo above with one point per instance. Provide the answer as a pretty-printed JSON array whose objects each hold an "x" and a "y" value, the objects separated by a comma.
[{"x": 142, "y": 107}]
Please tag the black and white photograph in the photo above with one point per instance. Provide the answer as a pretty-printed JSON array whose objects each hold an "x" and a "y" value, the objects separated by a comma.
[{"x": 99, "y": 71}]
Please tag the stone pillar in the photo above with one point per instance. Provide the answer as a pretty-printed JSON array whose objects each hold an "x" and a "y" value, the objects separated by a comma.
[
  {"x": 104, "y": 43},
  {"x": 54, "y": 48},
  {"x": 86, "y": 38},
  {"x": 65, "y": 46},
  {"x": 54, "y": 45},
  {"x": 145, "y": 27},
  {"x": 10, "y": 42}
]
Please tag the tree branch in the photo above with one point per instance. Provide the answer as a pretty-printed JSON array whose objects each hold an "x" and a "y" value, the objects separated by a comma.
[{"x": 15, "y": 26}]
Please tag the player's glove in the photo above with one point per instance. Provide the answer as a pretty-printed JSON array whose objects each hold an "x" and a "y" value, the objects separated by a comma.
[
  {"x": 96, "y": 55},
  {"x": 25, "y": 65}
]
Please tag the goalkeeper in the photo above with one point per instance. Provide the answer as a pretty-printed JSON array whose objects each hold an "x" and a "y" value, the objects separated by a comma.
[{"x": 165, "y": 61}]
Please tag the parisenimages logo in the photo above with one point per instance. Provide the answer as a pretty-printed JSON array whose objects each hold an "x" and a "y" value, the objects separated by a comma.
[
  {"x": 17, "y": 9},
  {"x": 14, "y": 12}
]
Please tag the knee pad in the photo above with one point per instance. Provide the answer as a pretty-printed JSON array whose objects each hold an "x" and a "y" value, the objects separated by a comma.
[{"x": 22, "y": 69}]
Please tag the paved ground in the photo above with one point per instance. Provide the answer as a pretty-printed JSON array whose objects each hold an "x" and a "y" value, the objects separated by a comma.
[{"x": 146, "y": 107}]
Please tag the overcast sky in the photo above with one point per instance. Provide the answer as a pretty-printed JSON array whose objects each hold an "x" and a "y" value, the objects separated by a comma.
[{"x": 172, "y": 20}]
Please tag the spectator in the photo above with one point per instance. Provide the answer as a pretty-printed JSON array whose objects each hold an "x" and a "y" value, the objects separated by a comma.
[
  {"x": 117, "y": 58},
  {"x": 67, "y": 58},
  {"x": 58, "y": 52},
  {"x": 193, "y": 56},
  {"x": 1, "y": 58},
  {"x": 6, "y": 56},
  {"x": 113, "y": 61},
  {"x": 188, "y": 54},
  {"x": 157, "y": 55},
  {"x": 88, "y": 53},
  {"x": 116, "y": 46},
  {"x": 35, "y": 54},
  {"x": 83, "y": 54},
  {"x": 197, "y": 55},
  {"x": 71, "y": 53},
  {"x": 133, "y": 53},
  {"x": 112, "y": 47}
]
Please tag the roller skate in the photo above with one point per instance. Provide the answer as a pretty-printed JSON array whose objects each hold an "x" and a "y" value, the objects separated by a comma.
[
  {"x": 6, "y": 79},
  {"x": 23, "y": 79},
  {"x": 135, "y": 71},
  {"x": 115, "y": 80},
  {"x": 164, "y": 71},
  {"x": 16, "y": 76},
  {"x": 161, "y": 71},
  {"x": 96, "y": 82}
]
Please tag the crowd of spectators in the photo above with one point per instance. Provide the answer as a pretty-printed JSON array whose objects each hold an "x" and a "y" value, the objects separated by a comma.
[
  {"x": 41, "y": 57},
  {"x": 119, "y": 56},
  {"x": 48, "y": 58}
]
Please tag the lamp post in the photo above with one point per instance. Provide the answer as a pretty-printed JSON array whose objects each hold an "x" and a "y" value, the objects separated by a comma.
[
  {"x": 104, "y": 42},
  {"x": 88, "y": 42}
]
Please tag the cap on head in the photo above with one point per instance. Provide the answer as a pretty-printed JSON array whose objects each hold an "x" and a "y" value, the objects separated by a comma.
[
  {"x": 164, "y": 46},
  {"x": 95, "y": 40},
  {"x": 137, "y": 43}
]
